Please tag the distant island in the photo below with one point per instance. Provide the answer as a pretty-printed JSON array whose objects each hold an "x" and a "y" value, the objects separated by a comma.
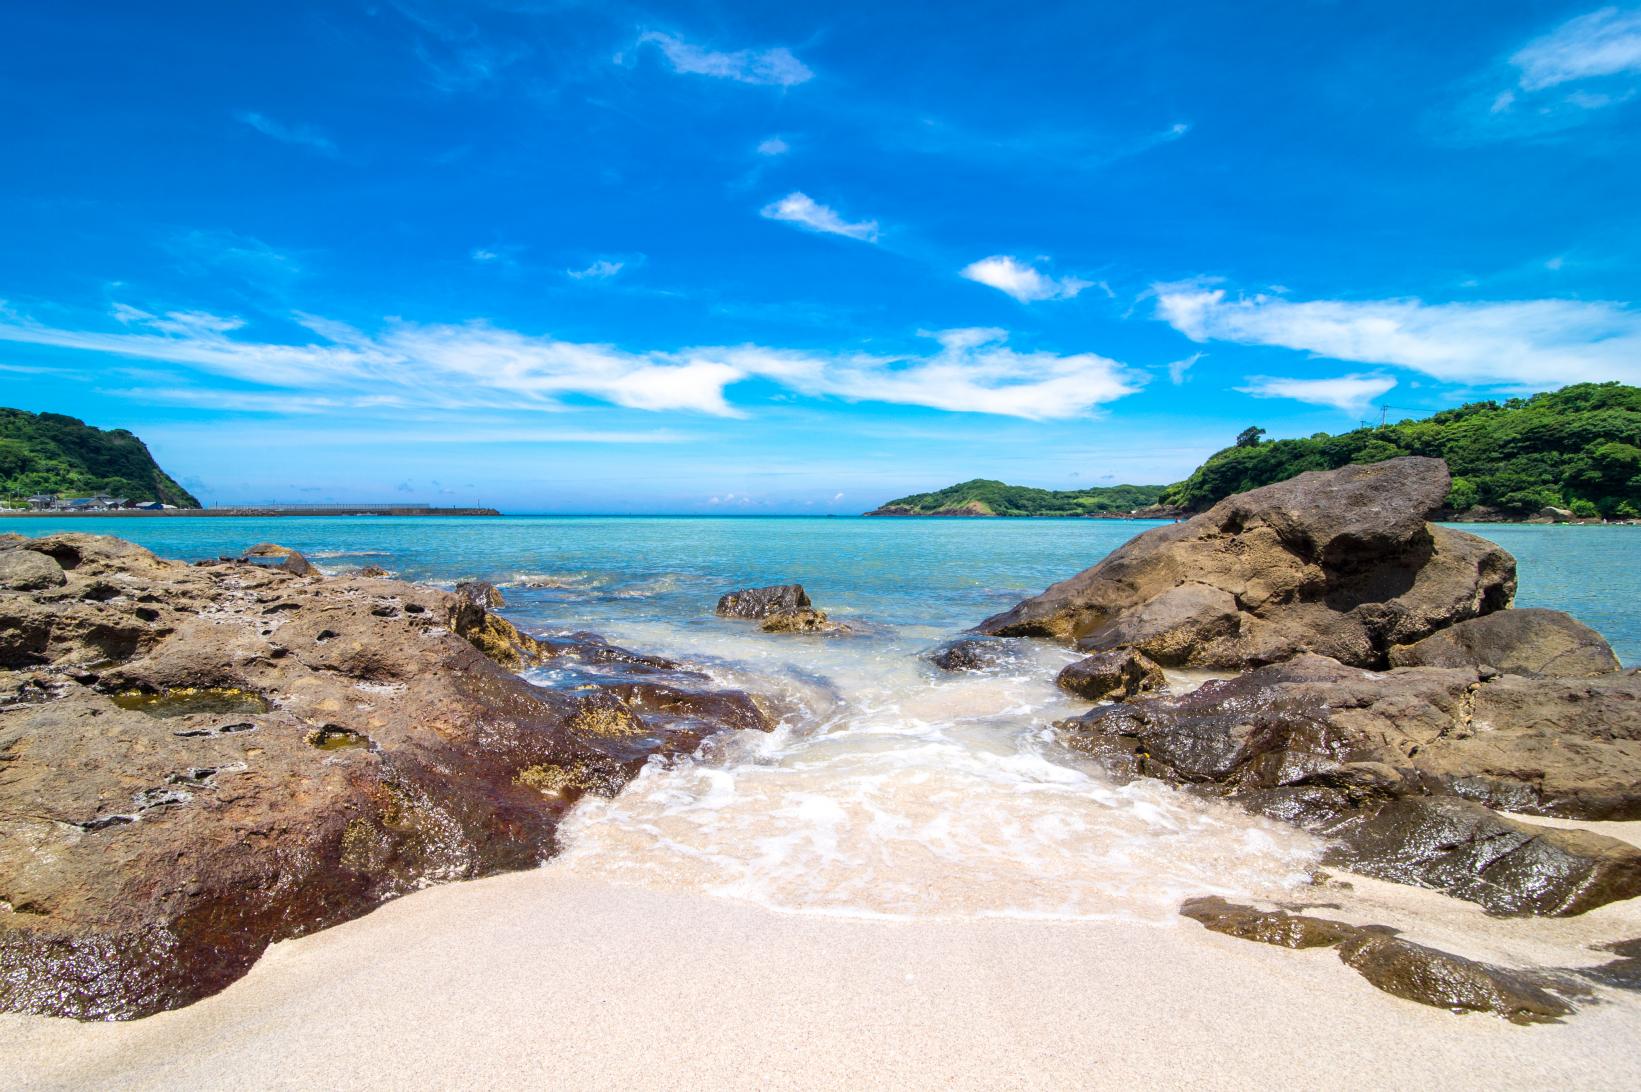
[
  {"x": 50, "y": 454},
  {"x": 1574, "y": 453},
  {"x": 985, "y": 497}
]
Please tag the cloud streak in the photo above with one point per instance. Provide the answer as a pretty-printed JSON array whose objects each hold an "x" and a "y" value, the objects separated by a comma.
[
  {"x": 303, "y": 136},
  {"x": 775, "y": 67},
  {"x": 1347, "y": 393},
  {"x": 1603, "y": 43},
  {"x": 1020, "y": 280},
  {"x": 476, "y": 365},
  {"x": 811, "y": 215},
  {"x": 1530, "y": 344}
]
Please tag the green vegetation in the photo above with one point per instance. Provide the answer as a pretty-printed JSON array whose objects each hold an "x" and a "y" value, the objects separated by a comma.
[
  {"x": 51, "y": 453},
  {"x": 984, "y": 497},
  {"x": 1578, "y": 448}
]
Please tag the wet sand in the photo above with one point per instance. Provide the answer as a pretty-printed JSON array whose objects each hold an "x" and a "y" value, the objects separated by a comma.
[{"x": 548, "y": 979}]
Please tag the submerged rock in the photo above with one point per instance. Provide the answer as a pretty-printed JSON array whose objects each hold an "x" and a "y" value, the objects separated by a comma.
[
  {"x": 1339, "y": 562},
  {"x": 974, "y": 654},
  {"x": 1397, "y": 966},
  {"x": 1526, "y": 641},
  {"x": 196, "y": 761},
  {"x": 1111, "y": 676},
  {"x": 1380, "y": 760}
]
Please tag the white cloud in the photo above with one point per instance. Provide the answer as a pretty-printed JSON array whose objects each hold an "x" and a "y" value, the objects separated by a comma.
[
  {"x": 1533, "y": 344},
  {"x": 1606, "y": 42},
  {"x": 302, "y": 135},
  {"x": 807, "y": 213},
  {"x": 1022, "y": 281},
  {"x": 775, "y": 67},
  {"x": 1178, "y": 369},
  {"x": 1350, "y": 393},
  {"x": 773, "y": 146},
  {"x": 601, "y": 270},
  {"x": 478, "y": 366}
]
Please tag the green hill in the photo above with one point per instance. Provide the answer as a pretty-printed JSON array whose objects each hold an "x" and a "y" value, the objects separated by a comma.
[
  {"x": 984, "y": 497},
  {"x": 1577, "y": 448},
  {"x": 51, "y": 453}
]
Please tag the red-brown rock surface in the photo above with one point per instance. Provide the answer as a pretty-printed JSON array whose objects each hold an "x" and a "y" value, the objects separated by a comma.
[{"x": 196, "y": 761}]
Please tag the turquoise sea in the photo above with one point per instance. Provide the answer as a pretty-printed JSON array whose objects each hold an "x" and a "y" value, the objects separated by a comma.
[
  {"x": 888, "y": 789},
  {"x": 930, "y": 574}
]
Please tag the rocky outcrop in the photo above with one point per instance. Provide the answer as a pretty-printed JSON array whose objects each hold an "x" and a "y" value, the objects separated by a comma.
[
  {"x": 1526, "y": 641},
  {"x": 1116, "y": 675},
  {"x": 1341, "y": 563},
  {"x": 1402, "y": 767},
  {"x": 781, "y": 608},
  {"x": 196, "y": 761},
  {"x": 1397, "y": 966},
  {"x": 282, "y": 557}
]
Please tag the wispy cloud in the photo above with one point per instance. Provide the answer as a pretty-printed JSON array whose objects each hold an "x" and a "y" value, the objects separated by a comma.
[
  {"x": 1527, "y": 343},
  {"x": 773, "y": 146},
  {"x": 1562, "y": 79},
  {"x": 775, "y": 67},
  {"x": 476, "y": 365},
  {"x": 1022, "y": 281},
  {"x": 1606, "y": 42},
  {"x": 1347, "y": 393},
  {"x": 305, "y": 136},
  {"x": 1179, "y": 369},
  {"x": 811, "y": 215},
  {"x": 601, "y": 270}
]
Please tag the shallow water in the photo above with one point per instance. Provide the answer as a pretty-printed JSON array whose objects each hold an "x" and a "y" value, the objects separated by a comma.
[{"x": 888, "y": 789}]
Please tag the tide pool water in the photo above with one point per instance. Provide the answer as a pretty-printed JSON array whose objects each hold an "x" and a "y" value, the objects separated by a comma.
[{"x": 888, "y": 788}]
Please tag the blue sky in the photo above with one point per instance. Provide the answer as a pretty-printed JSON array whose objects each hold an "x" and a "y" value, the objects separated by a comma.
[{"x": 798, "y": 258}]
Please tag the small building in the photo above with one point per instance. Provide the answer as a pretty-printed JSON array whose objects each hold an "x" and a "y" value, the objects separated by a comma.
[{"x": 42, "y": 502}]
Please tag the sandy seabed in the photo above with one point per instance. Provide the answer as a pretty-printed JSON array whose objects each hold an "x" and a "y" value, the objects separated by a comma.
[{"x": 539, "y": 979}]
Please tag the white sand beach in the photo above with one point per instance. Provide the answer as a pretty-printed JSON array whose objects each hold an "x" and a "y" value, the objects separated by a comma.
[{"x": 544, "y": 979}]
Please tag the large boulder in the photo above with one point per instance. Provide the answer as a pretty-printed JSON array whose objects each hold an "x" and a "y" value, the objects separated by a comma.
[
  {"x": 1368, "y": 757},
  {"x": 781, "y": 608},
  {"x": 1340, "y": 562},
  {"x": 196, "y": 761},
  {"x": 1526, "y": 641}
]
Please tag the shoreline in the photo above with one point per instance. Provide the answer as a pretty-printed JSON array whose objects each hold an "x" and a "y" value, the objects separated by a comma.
[
  {"x": 259, "y": 513},
  {"x": 541, "y": 977}
]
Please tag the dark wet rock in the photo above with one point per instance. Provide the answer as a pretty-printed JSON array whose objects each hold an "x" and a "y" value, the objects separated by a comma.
[
  {"x": 1526, "y": 641},
  {"x": 1447, "y": 981},
  {"x": 1340, "y": 562},
  {"x": 374, "y": 571},
  {"x": 269, "y": 755},
  {"x": 1277, "y": 927},
  {"x": 1398, "y": 765},
  {"x": 1473, "y": 853},
  {"x": 280, "y": 557},
  {"x": 1397, "y": 966},
  {"x": 480, "y": 593},
  {"x": 1624, "y": 972},
  {"x": 27, "y": 570},
  {"x": 760, "y": 603},
  {"x": 781, "y": 608},
  {"x": 974, "y": 654},
  {"x": 1116, "y": 675}
]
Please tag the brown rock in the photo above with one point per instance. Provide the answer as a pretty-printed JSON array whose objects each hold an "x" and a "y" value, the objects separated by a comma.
[
  {"x": 1447, "y": 981},
  {"x": 269, "y": 755},
  {"x": 1526, "y": 641},
  {"x": 974, "y": 654},
  {"x": 1380, "y": 760},
  {"x": 1339, "y": 562},
  {"x": 26, "y": 570},
  {"x": 1397, "y": 966},
  {"x": 1111, "y": 676},
  {"x": 282, "y": 557}
]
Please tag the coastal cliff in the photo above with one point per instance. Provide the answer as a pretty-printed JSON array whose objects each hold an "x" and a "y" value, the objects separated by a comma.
[{"x": 43, "y": 453}]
